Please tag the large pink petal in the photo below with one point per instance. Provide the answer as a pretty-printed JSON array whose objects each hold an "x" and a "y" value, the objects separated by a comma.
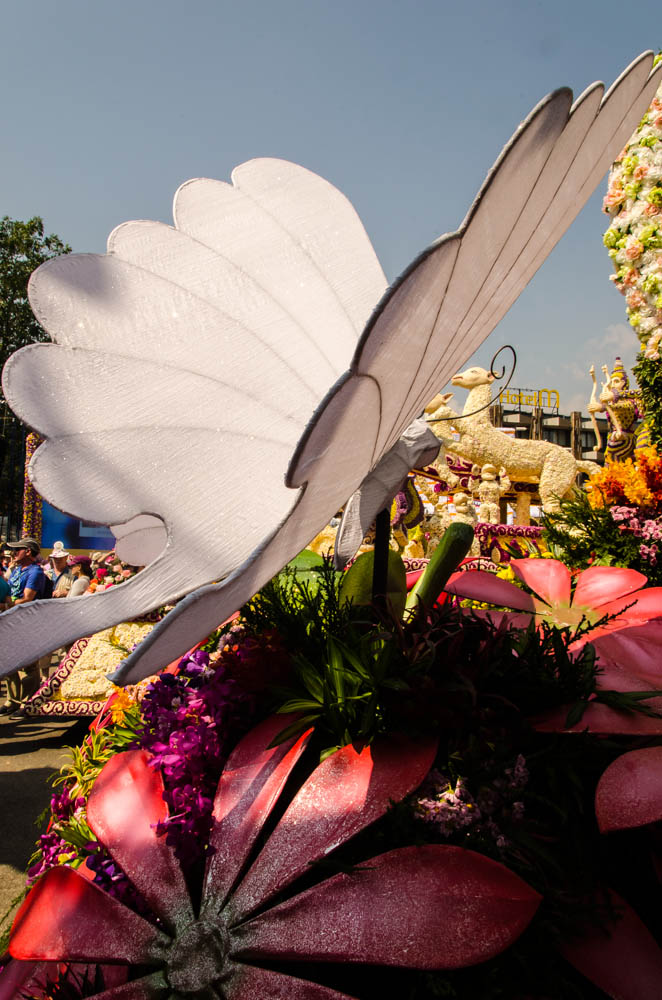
[
  {"x": 626, "y": 963},
  {"x": 154, "y": 987},
  {"x": 603, "y": 720},
  {"x": 250, "y": 786},
  {"x": 249, "y": 982},
  {"x": 638, "y": 649},
  {"x": 65, "y": 917},
  {"x": 639, "y": 607},
  {"x": 629, "y": 793},
  {"x": 125, "y": 804},
  {"x": 614, "y": 677},
  {"x": 35, "y": 978},
  {"x": 428, "y": 907},
  {"x": 17, "y": 976},
  {"x": 600, "y": 584},
  {"x": 549, "y": 578},
  {"x": 344, "y": 794},
  {"x": 477, "y": 585}
]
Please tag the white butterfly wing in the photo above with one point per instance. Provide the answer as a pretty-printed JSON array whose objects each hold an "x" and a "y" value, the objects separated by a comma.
[
  {"x": 535, "y": 190},
  {"x": 547, "y": 202},
  {"x": 428, "y": 323},
  {"x": 191, "y": 375}
]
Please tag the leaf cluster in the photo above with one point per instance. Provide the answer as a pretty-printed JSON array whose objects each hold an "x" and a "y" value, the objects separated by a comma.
[
  {"x": 648, "y": 373},
  {"x": 346, "y": 693},
  {"x": 442, "y": 670},
  {"x": 302, "y": 605},
  {"x": 23, "y": 247}
]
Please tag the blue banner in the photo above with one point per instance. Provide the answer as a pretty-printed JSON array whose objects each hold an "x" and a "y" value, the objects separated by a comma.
[{"x": 73, "y": 534}]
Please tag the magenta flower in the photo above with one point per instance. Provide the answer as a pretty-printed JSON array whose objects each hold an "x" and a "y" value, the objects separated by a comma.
[{"x": 429, "y": 907}]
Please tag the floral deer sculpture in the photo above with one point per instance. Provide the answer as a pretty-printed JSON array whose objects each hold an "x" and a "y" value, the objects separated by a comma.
[{"x": 553, "y": 467}]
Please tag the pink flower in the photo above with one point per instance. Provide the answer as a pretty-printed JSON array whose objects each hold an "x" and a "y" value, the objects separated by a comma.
[
  {"x": 428, "y": 907},
  {"x": 126, "y": 573},
  {"x": 598, "y": 591},
  {"x": 633, "y": 248},
  {"x": 651, "y": 209},
  {"x": 101, "y": 572},
  {"x": 635, "y": 299},
  {"x": 628, "y": 648},
  {"x": 613, "y": 198}
]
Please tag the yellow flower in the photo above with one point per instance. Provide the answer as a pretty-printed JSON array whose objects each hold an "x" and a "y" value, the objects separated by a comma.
[{"x": 121, "y": 703}]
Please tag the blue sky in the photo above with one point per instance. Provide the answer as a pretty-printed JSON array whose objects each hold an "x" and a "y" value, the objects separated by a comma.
[{"x": 109, "y": 107}]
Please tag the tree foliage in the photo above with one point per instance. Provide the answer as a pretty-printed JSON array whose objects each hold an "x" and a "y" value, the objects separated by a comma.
[
  {"x": 649, "y": 377},
  {"x": 23, "y": 247}
]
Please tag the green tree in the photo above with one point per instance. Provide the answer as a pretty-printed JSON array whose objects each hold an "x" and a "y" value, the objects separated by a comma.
[
  {"x": 23, "y": 247},
  {"x": 648, "y": 374}
]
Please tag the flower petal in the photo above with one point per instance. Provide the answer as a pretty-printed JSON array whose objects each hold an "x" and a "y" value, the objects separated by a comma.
[
  {"x": 65, "y": 917},
  {"x": 629, "y": 793},
  {"x": 250, "y": 785},
  {"x": 431, "y": 907},
  {"x": 249, "y": 982},
  {"x": 643, "y": 606},
  {"x": 154, "y": 987},
  {"x": 600, "y": 584},
  {"x": 413, "y": 577},
  {"x": 638, "y": 648},
  {"x": 17, "y": 976},
  {"x": 477, "y": 585},
  {"x": 626, "y": 963},
  {"x": 548, "y": 577},
  {"x": 344, "y": 794},
  {"x": 125, "y": 804},
  {"x": 602, "y": 719}
]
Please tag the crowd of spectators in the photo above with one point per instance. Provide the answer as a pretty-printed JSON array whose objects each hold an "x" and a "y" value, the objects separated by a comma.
[{"x": 26, "y": 576}]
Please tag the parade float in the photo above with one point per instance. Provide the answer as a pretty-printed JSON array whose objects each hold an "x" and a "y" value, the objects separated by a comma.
[{"x": 364, "y": 783}]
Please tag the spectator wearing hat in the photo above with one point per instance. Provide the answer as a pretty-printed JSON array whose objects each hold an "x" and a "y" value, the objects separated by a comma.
[
  {"x": 26, "y": 578},
  {"x": 61, "y": 575},
  {"x": 27, "y": 583},
  {"x": 81, "y": 570}
]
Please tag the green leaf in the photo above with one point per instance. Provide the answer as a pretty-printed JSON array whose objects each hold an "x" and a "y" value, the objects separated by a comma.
[
  {"x": 356, "y": 584},
  {"x": 305, "y": 561},
  {"x": 453, "y": 547},
  {"x": 311, "y": 679},
  {"x": 294, "y": 729},
  {"x": 575, "y": 713},
  {"x": 298, "y": 705}
]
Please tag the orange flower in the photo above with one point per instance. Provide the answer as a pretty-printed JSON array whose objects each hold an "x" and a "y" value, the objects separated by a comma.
[{"x": 635, "y": 481}]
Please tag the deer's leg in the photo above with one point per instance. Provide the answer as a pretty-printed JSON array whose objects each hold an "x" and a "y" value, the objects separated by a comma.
[
  {"x": 523, "y": 508},
  {"x": 556, "y": 478}
]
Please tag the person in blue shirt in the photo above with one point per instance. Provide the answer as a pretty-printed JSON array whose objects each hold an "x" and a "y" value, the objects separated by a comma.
[{"x": 26, "y": 583}]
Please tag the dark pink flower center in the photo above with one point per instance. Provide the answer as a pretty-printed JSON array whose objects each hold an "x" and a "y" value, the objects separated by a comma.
[{"x": 198, "y": 957}]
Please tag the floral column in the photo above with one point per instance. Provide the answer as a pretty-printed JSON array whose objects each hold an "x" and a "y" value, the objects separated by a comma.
[{"x": 31, "y": 500}]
